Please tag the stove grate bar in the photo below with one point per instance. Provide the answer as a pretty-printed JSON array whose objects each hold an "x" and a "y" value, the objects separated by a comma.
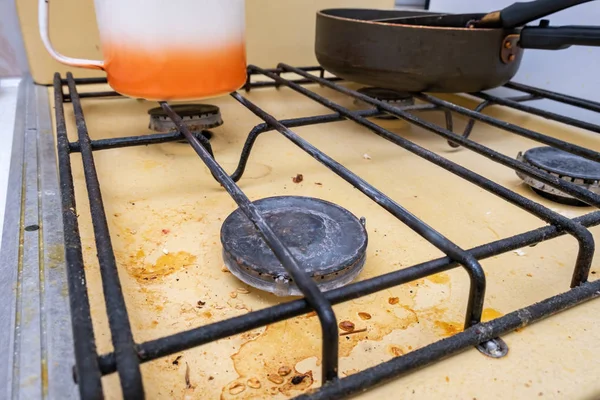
[
  {"x": 472, "y": 266},
  {"x": 446, "y": 348},
  {"x": 126, "y": 351},
  {"x": 173, "y": 344},
  {"x": 86, "y": 367},
  {"x": 542, "y": 113},
  {"x": 518, "y": 130},
  {"x": 583, "y": 236},
  {"x": 292, "y": 123},
  {"x": 248, "y": 86},
  {"x": 561, "y": 98},
  {"x": 307, "y": 286},
  {"x": 584, "y": 195},
  {"x": 119, "y": 324}
]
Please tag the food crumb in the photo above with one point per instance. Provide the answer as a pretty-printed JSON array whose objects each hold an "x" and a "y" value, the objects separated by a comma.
[
  {"x": 318, "y": 184},
  {"x": 165, "y": 231},
  {"x": 447, "y": 379},
  {"x": 394, "y": 300},
  {"x": 233, "y": 295},
  {"x": 366, "y": 156},
  {"x": 253, "y": 383},
  {"x": 284, "y": 370},
  {"x": 276, "y": 379},
  {"x": 347, "y": 326},
  {"x": 165, "y": 251},
  {"x": 364, "y": 315},
  {"x": 519, "y": 252},
  {"x": 210, "y": 378},
  {"x": 176, "y": 361},
  {"x": 242, "y": 290},
  {"x": 530, "y": 275},
  {"x": 396, "y": 351},
  {"x": 298, "y": 379},
  {"x": 236, "y": 388},
  {"x": 201, "y": 303},
  {"x": 298, "y": 178},
  {"x": 540, "y": 394},
  {"x": 225, "y": 269}
]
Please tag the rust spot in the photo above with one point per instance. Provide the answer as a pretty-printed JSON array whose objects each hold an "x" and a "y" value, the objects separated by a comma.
[
  {"x": 298, "y": 178},
  {"x": 394, "y": 300}
]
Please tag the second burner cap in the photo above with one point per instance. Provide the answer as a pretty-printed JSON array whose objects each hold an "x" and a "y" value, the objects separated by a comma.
[{"x": 327, "y": 241}]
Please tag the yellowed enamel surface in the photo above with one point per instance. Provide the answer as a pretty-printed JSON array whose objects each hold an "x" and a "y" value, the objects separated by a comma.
[{"x": 161, "y": 199}]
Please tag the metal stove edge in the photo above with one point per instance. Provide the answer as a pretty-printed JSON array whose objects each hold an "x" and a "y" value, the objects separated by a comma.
[{"x": 36, "y": 344}]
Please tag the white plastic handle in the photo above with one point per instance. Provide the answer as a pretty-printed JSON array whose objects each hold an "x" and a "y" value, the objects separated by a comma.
[{"x": 43, "y": 17}]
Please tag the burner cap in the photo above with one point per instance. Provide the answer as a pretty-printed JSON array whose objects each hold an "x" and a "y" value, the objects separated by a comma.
[
  {"x": 197, "y": 117},
  {"x": 566, "y": 166},
  {"x": 390, "y": 96},
  {"x": 327, "y": 241}
]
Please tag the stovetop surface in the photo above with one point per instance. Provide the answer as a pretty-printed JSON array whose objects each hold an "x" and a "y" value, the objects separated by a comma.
[{"x": 165, "y": 213}]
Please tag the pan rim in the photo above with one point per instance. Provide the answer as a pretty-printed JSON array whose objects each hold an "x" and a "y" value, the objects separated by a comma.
[{"x": 322, "y": 13}]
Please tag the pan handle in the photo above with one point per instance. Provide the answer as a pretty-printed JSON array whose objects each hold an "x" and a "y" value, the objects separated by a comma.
[
  {"x": 520, "y": 14},
  {"x": 558, "y": 37}
]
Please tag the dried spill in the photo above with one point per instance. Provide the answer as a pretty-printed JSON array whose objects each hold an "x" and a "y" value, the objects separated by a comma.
[{"x": 282, "y": 360}]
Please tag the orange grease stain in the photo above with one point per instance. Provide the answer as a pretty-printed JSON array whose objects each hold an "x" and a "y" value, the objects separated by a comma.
[
  {"x": 166, "y": 265},
  {"x": 449, "y": 328},
  {"x": 490, "y": 314},
  {"x": 440, "y": 278}
]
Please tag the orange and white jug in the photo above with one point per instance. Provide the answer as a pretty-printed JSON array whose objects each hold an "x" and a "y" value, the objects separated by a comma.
[{"x": 166, "y": 50}]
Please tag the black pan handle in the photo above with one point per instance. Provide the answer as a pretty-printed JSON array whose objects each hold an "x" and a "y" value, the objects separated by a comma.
[
  {"x": 558, "y": 37},
  {"x": 520, "y": 14}
]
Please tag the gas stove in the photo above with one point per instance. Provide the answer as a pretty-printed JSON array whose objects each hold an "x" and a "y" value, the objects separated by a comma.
[{"x": 409, "y": 241}]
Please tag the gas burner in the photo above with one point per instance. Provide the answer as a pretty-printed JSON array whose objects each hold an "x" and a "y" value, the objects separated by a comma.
[
  {"x": 390, "y": 96},
  {"x": 196, "y": 117},
  {"x": 566, "y": 166},
  {"x": 326, "y": 240}
]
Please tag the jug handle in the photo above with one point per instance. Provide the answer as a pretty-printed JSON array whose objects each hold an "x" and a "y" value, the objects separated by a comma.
[{"x": 43, "y": 20}]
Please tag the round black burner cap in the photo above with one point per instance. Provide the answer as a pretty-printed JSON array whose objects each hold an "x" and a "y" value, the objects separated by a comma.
[
  {"x": 186, "y": 110},
  {"x": 326, "y": 240},
  {"x": 562, "y": 163},
  {"x": 388, "y": 95},
  {"x": 196, "y": 117}
]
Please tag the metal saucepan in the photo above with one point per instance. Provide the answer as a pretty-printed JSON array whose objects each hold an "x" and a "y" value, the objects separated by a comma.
[{"x": 422, "y": 51}]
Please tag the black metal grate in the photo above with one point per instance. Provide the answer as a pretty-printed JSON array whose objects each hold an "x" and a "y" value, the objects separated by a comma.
[{"x": 128, "y": 355}]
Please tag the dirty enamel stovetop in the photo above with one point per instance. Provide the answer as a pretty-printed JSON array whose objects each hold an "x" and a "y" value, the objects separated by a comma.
[{"x": 165, "y": 212}]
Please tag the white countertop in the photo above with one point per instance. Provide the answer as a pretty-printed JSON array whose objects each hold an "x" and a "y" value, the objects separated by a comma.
[{"x": 8, "y": 101}]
